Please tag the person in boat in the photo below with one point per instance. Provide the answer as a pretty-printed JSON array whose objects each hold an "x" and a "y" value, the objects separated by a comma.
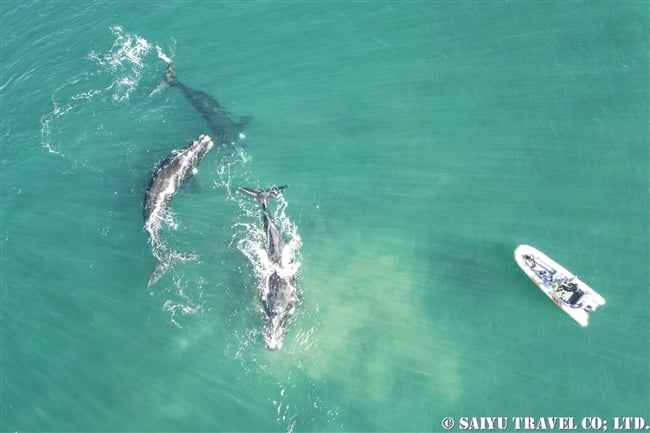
[
  {"x": 567, "y": 290},
  {"x": 546, "y": 276},
  {"x": 566, "y": 284},
  {"x": 569, "y": 286},
  {"x": 557, "y": 289}
]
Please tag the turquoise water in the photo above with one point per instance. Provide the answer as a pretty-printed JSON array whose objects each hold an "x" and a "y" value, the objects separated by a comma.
[{"x": 421, "y": 142}]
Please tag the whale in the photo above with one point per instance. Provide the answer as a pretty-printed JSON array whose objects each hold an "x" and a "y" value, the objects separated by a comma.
[
  {"x": 278, "y": 293},
  {"x": 172, "y": 173},
  {"x": 224, "y": 127}
]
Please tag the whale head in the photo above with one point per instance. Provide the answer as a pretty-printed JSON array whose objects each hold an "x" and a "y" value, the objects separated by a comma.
[
  {"x": 170, "y": 74},
  {"x": 279, "y": 306},
  {"x": 274, "y": 335},
  {"x": 201, "y": 146},
  {"x": 275, "y": 329}
]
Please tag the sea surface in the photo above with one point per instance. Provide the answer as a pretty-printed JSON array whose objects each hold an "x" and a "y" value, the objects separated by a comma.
[{"x": 421, "y": 142}]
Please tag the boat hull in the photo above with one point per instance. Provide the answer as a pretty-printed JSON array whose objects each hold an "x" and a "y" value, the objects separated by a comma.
[{"x": 551, "y": 278}]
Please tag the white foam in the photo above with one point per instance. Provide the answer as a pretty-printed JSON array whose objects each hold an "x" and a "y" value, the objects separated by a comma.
[
  {"x": 46, "y": 125},
  {"x": 181, "y": 309},
  {"x": 122, "y": 63},
  {"x": 187, "y": 300},
  {"x": 127, "y": 49},
  {"x": 162, "y": 55}
]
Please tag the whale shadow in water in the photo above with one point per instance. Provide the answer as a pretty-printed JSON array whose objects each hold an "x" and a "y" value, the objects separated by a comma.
[{"x": 226, "y": 130}]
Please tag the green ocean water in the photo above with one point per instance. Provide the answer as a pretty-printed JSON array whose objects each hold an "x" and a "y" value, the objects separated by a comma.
[{"x": 421, "y": 142}]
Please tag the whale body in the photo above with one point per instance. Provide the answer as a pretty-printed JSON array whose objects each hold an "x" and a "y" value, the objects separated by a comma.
[
  {"x": 278, "y": 296},
  {"x": 225, "y": 129},
  {"x": 170, "y": 176}
]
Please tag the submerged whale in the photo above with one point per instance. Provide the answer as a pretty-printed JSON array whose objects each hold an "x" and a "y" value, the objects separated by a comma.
[
  {"x": 279, "y": 295},
  {"x": 226, "y": 130},
  {"x": 169, "y": 177}
]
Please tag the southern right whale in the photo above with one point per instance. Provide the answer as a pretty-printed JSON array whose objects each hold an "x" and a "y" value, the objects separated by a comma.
[
  {"x": 225, "y": 129},
  {"x": 170, "y": 176},
  {"x": 279, "y": 295}
]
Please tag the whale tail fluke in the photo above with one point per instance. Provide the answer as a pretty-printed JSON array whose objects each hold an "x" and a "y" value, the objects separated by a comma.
[
  {"x": 264, "y": 196},
  {"x": 168, "y": 259}
]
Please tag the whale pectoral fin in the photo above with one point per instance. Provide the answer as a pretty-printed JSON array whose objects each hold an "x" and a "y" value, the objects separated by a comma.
[
  {"x": 161, "y": 87},
  {"x": 158, "y": 271}
]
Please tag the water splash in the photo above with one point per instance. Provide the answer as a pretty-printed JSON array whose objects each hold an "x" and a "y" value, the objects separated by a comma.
[
  {"x": 252, "y": 239},
  {"x": 162, "y": 55},
  {"x": 124, "y": 62},
  {"x": 184, "y": 306},
  {"x": 116, "y": 76},
  {"x": 46, "y": 124}
]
